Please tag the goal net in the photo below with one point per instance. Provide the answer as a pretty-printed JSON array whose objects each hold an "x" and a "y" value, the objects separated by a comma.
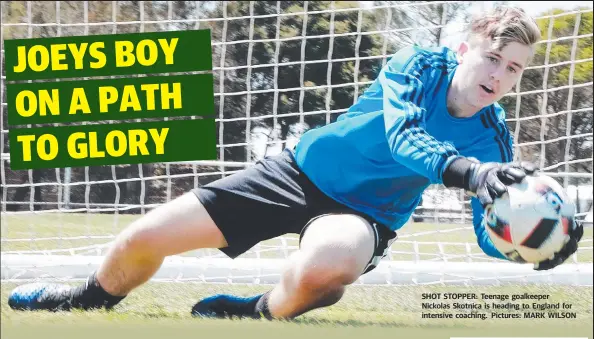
[{"x": 281, "y": 68}]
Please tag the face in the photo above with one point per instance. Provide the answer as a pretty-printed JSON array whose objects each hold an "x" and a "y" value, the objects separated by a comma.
[{"x": 488, "y": 74}]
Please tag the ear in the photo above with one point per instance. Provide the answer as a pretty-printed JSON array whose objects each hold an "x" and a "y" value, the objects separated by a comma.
[{"x": 462, "y": 49}]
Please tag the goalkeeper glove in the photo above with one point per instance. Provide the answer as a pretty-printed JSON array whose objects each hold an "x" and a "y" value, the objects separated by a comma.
[
  {"x": 486, "y": 181},
  {"x": 575, "y": 235}
]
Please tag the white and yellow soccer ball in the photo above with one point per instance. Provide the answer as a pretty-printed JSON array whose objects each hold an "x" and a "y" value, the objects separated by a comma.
[{"x": 532, "y": 220}]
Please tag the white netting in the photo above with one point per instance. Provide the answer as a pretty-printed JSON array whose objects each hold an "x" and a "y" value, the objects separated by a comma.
[{"x": 281, "y": 68}]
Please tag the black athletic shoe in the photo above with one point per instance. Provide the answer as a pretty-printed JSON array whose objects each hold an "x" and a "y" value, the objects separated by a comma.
[
  {"x": 41, "y": 296},
  {"x": 226, "y": 306}
]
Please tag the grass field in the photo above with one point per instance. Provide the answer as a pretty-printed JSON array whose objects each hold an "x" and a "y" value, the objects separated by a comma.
[{"x": 158, "y": 310}]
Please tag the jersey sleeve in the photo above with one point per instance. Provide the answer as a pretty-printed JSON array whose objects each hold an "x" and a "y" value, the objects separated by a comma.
[
  {"x": 496, "y": 154},
  {"x": 482, "y": 237},
  {"x": 403, "y": 81}
]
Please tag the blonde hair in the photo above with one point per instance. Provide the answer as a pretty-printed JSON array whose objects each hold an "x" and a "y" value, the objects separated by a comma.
[{"x": 503, "y": 25}]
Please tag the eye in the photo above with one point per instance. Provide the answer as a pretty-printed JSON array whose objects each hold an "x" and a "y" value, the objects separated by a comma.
[
  {"x": 492, "y": 59},
  {"x": 511, "y": 69}
]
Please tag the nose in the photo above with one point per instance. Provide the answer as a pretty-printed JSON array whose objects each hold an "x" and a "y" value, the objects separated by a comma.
[{"x": 498, "y": 73}]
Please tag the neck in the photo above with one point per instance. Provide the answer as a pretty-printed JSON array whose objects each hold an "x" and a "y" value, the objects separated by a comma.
[{"x": 456, "y": 104}]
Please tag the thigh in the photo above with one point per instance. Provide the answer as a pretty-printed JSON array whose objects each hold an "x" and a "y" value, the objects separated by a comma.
[
  {"x": 347, "y": 240},
  {"x": 259, "y": 203},
  {"x": 178, "y": 226},
  {"x": 340, "y": 244},
  {"x": 384, "y": 240}
]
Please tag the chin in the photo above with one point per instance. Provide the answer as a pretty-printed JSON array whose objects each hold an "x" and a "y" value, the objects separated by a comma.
[
  {"x": 489, "y": 103},
  {"x": 480, "y": 104}
]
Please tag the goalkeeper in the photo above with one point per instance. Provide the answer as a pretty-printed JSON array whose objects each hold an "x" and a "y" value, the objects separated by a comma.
[{"x": 430, "y": 117}]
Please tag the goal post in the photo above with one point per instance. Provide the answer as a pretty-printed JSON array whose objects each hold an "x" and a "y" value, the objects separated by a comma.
[{"x": 281, "y": 68}]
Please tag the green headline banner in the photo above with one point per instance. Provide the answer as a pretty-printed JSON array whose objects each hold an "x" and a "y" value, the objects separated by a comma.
[
  {"x": 110, "y": 99},
  {"x": 98, "y": 101},
  {"x": 112, "y": 144},
  {"x": 104, "y": 55}
]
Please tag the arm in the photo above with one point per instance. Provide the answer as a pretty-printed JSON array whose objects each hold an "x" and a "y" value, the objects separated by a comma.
[
  {"x": 411, "y": 145},
  {"x": 482, "y": 237},
  {"x": 492, "y": 153},
  {"x": 404, "y": 117},
  {"x": 402, "y": 84}
]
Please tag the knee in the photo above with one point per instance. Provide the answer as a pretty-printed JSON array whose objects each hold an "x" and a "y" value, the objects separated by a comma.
[
  {"x": 321, "y": 278},
  {"x": 326, "y": 287},
  {"x": 138, "y": 240},
  {"x": 334, "y": 252}
]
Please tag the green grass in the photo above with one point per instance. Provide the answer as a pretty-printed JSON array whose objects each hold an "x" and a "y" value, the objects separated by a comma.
[
  {"x": 365, "y": 311},
  {"x": 158, "y": 310}
]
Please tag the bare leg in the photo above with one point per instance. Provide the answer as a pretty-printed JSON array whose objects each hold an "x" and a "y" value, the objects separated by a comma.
[
  {"x": 334, "y": 252},
  {"x": 138, "y": 252}
]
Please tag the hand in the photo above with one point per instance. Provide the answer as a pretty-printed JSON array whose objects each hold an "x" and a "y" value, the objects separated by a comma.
[
  {"x": 489, "y": 181},
  {"x": 575, "y": 235}
]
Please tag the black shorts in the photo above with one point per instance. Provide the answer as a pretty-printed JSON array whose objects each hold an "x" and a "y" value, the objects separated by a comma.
[{"x": 273, "y": 198}]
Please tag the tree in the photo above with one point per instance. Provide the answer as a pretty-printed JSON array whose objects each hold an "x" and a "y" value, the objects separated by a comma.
[
  {"x": 272, "y": 76},
  {"x": 69, "y": 15},
  {"x": 282, "y": 67},
  {"x": 17, "y": 12},
  {"x": 418, "y": 22}
]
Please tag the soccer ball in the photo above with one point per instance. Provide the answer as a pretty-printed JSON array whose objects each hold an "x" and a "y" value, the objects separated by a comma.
[{"x": 532, "y": 221}]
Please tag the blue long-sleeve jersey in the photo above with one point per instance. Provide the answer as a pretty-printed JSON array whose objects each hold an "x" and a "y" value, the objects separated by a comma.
[{"x": 399, "y": 137}]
